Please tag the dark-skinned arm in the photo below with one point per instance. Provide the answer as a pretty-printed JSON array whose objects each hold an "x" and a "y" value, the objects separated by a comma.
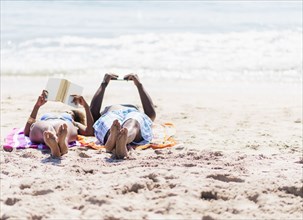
[
  {"x": 40, "y": 101},
  {"x": 96, "y": 103},
  {"x": 146, "y": 100},
  {"x": 87, "y": 129}
]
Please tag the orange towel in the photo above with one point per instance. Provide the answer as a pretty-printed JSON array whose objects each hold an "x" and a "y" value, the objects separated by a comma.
[
  {"x": 89, "y": 142},
  {"x": 163, "y": 137}
]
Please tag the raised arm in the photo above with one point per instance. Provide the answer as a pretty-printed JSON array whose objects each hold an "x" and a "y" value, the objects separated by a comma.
[
  {"x": 146, "y": 100},
  {"x": 32, "y": 118},
  {"x": 87, "y": 129},
  {"x": 96, "y": 103}
]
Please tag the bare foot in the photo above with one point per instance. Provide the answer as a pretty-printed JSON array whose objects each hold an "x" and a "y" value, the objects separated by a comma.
[
  {"x": 111, "y": 141},
  {"x": 62, "y": 133},
  {"x": 50, "y": 140},
  {"x": 121, "y": 150}
]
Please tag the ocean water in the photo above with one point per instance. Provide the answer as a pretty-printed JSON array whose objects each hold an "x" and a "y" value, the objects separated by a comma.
[{"x": 206, "y": 40}]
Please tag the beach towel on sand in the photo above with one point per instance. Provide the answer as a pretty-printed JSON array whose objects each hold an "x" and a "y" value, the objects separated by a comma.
[
  {"x": 16, "y": 140},
  {"x": 162, "y": 138}
]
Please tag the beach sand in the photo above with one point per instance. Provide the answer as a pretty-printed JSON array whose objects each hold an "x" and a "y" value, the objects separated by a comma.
[{"x": 238, "y": 156}]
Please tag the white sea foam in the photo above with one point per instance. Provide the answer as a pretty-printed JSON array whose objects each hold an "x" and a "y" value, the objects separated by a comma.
[{"x": 268, "y": 55}]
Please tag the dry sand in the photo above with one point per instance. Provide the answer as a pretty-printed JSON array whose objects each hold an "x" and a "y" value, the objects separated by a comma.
[{"x": 239, "y": 156}]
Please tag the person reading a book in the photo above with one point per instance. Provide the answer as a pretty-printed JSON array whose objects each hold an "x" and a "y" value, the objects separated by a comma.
[
  {"x": 117, "y": 126},
  {"x": 57, "y": 130}
]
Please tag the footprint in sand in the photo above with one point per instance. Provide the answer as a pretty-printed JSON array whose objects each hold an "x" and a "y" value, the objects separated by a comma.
[
  {"x": 11, "y": 201},
  {"x": 95, "y": 201},
  {"x": 24, "y": 186},
  {"x": 84, "y": 155},
  {"x": 209, "y": 195},
  {"x": 296, "y": 191},
  {"x": 42, "y": 192},
  {"x": 225, "y": 178},
  {"x": 133, "y": 188}
]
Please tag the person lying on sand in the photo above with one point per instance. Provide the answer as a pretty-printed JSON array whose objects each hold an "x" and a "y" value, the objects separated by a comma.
[
  {"x": 119, "y": 125},
  {"x": 57, "y": 130}
]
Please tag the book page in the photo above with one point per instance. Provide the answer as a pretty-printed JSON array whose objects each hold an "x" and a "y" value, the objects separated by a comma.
[
  {"x": 56, "y": 89},
  {"x": 72, "y": 89}
]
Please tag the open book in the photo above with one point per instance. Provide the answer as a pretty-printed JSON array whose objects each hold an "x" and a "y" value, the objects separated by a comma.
[{"x": 61, "y": 90}]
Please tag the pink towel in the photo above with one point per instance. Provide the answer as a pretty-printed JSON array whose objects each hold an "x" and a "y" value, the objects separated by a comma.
[{"x": 16, "y": 140}]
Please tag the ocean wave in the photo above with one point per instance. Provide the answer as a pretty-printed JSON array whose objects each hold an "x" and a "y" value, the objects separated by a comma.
[{"x": 252, "y": 55}]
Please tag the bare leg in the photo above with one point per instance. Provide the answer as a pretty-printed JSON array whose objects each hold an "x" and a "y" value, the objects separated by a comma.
[
  {"x": 62, "y": 140},
  {"x": 50, "y": 141},
  {"x": 133, "y": 128},
  {"x": 111, "y": 141},
  {"x": 121, "y": 150},
  {"x": 37, "y": 129}
]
